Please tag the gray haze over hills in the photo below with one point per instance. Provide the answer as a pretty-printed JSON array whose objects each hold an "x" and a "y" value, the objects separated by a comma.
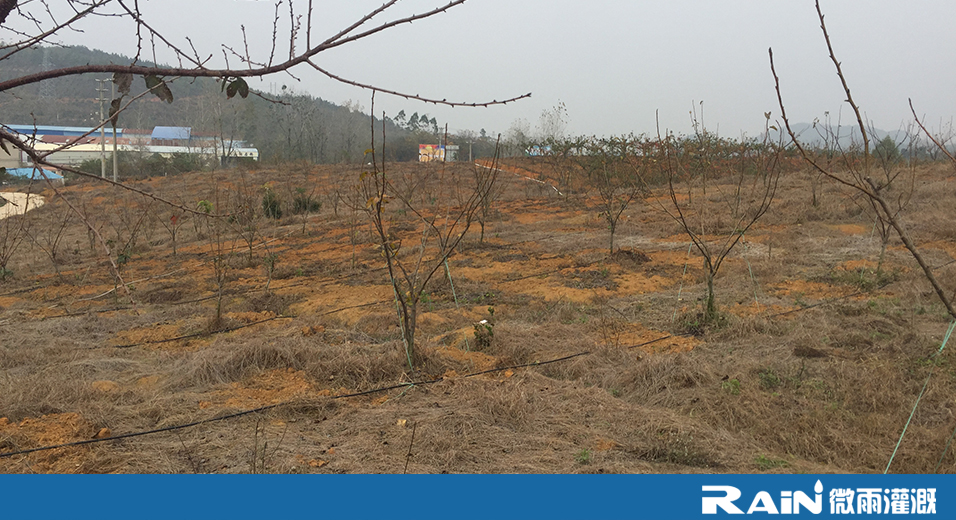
[
  {"x": 618, "y": 67},
  {"x": 848, "y": 136}
]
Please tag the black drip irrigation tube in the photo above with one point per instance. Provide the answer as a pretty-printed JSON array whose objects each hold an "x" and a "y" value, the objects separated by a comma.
[
  {"x": 276, "y": 405},
  {"x": 330, "y": 279},
  {"x": 195, "y": 335},
  {"x": 204, "y": 298},
  {"x": 231, "y": 329},
  {"x": 376, "y": 390}
]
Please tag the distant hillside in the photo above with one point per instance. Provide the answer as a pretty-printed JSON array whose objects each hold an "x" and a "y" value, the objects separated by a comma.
[
  {"x": 71, "y": 101},
  {"x": 292, "y": 127},
  {"x": 848, "y": 135}
]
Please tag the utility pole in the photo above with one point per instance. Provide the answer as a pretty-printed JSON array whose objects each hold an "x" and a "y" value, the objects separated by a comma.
[
  {"x": 115, "y": 163},
  {"x": 100, "y": 90}
]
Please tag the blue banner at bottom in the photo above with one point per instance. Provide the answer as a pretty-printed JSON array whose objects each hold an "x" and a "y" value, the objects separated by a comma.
[{"x": 526, "y": 497}]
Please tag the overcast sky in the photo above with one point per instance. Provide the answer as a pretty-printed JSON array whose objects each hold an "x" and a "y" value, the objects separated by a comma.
[{"x": 612, "y": 63}]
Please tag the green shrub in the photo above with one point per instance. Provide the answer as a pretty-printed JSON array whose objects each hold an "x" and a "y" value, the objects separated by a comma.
[
  {"x": 485, "y": 331},
  {"x": 732, "y": 386},
  {"x": 769, "y": 380},
  {"x": 271, "y": 204},
  {"x": 304, "y": 203}
]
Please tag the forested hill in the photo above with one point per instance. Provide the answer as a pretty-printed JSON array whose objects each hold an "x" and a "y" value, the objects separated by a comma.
[
  {"x": 288, "y": 127},
  {"x": 71, "y": 100}
]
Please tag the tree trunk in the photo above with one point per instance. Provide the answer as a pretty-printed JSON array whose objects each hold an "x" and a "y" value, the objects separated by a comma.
[
  {"x": 218, "y": 323},
  {"x": 409, "y": 318},
  {"x": 884, "y": 239},
  {"x": 912, "y": 248},
  {"x": 710, "y": 314},
  {"x": 613, "y": 225}
]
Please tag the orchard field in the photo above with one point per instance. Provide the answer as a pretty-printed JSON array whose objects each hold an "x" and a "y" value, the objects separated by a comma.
[{"x": 538, "y": 349}]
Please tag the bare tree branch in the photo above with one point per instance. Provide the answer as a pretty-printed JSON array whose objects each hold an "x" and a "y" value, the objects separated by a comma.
[
  {"x": 861, "y": 179},
  {"x": 416, "y": 96},
  {"x": 931, "y": 137}
]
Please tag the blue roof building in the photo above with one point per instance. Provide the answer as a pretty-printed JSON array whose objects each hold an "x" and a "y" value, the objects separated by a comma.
[
  {"x": 33, "y": 174},
  {"x": 172, "y": 132},
  {"x": 60, "y": 130}
]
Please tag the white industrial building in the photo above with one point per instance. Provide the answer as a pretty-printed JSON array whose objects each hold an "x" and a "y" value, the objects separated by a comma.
[{"x": 73, "y": 145}]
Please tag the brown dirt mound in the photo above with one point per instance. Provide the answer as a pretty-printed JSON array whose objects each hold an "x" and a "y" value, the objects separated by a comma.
[
  {"x": 472, "y": 360},
  {"x": 46, "y": 430},
  {"x": 271, "y": 387}
]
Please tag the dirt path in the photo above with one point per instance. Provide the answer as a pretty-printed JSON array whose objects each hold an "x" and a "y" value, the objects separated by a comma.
[{"x": 19, "y": 203}]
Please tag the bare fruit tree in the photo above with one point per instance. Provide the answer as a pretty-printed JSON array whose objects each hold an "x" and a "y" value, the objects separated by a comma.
[
  {"x": 296, "y": 43},
  {"x": 839, "y": 150},
  {"x": 14, "y": 227},
  {"x": 615, "y": 165},
  {"x": 718, "y": 189},
  {"x": 414, "y": 257},
  {"x": 888, "y": 206}
]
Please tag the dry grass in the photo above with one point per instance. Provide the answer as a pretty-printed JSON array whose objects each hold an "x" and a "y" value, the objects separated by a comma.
[{"x": 824, "y": 389}]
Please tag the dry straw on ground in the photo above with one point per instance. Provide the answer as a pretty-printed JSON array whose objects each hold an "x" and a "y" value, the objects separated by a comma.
[{"x": 826, "y": 388}]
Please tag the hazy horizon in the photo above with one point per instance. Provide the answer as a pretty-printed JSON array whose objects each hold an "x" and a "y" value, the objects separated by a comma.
[{"x": 616, "y": 67}]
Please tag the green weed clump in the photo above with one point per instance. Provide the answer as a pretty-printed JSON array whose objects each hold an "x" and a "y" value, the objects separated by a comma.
[
  {"x": 304, "y": 203},
  {"x": 769, "y": 380},
  {"x": 271, "y": 204},
  {"x": 583, "y": 457},
  {"x": 731, "y": 386},
  {"x": 765, "y": 463},
  {"x": 865, "y": 279},
  {"x": 485, "y": 331}
]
